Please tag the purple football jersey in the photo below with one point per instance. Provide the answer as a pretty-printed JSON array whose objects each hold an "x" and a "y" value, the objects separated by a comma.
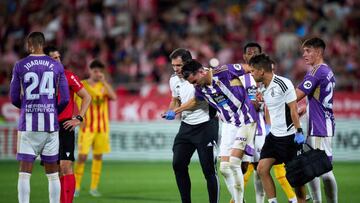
[
  {"x": 319, "y": 85},
  {"x": 228, "y": 96},
  {"x": 251, "y": 90},
  {"x": 34, "y": 87}
]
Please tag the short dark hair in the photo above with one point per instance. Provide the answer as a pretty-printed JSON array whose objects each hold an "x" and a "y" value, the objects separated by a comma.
[
  {"x": 190, "y": 67},
  {"x": 314, "y": 42},
  {"x": 97, "y": 64},
  {"x": 252, "y": 44},
  {"x": 49, "y": 49},
  {"x": 37, "y": 38},
  {"x": 184, "y": 54},
  {"x": 261, "y": 61}
]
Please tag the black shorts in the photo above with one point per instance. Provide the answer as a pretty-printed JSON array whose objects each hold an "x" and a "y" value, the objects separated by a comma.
[
  {"x": 66, "y": 143},
  {"x": 202, "y": 133},
  {"x": 282, "y": 149}
]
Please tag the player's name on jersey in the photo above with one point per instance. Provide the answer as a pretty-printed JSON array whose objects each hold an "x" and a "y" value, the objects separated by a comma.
[
  {"x": 40, "y": 108},
  {"x": 32, "y": 63}
]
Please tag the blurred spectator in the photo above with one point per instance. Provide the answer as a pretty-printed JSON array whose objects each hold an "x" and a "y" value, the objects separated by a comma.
[{"x": 135, "y": 37}]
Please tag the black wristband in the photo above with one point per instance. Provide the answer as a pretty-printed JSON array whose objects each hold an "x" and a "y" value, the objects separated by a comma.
[
  {"x": 299, "y": 130},
  {"x": 80, "y": 118}
]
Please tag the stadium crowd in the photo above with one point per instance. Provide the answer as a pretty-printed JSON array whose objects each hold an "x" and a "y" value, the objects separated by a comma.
[{"x": 135, "y": 37}]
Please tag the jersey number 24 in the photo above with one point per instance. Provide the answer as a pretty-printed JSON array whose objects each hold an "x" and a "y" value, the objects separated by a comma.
[{"x": 46, "y": 85}]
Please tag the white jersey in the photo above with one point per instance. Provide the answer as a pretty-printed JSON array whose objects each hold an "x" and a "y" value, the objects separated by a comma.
[
  {"x": 184, "y": 91},
  {"x": 277, "y": 95}
]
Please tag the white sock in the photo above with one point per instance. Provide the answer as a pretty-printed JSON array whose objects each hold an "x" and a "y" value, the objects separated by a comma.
[
  {"x": 54, "y": 187},
  {"x": 272, "y": 200},
  {"x": 330, "y": 187},
  {"x": 259, "y": 190},
  {"x": 235, "y": 165},
  {"x": 315, "y": 190},
  {"x": 24, "y": 187},
  {"x": 225, "y": 170},
  {"x": 293, "y": 200}
]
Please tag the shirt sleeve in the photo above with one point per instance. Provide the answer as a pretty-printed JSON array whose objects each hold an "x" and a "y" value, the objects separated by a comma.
[
  {"x": 199, "y": 95},
  {"x": 171, "y": 84},
  {"x": 15, "y": 88},
  {"x": 309, "y": 84},
  {"x": 63, "y": 90},
  {"x": 290, "y": 94},
  {"x": 74, "y": 82},
  {"x": 236, "y": 70}
]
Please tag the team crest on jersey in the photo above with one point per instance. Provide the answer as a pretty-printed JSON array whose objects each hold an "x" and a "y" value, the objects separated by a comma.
[{"x": 307, "y": 84}]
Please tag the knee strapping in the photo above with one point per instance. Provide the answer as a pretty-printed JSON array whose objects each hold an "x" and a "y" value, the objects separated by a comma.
[
  {"x": 235, "y": 162},
  {"x": 225, "y": 169}
]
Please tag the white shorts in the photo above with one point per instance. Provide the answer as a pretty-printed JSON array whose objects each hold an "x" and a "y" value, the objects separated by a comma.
[
  {"x": 322, "y": 143},
  {"x": 32, "y": 144},
  {"x": 259, "y": 141},
  {"x": 233, "y": 137}
]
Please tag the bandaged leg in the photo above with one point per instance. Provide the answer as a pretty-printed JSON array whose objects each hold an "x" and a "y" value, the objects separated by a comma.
[
  {"x": 235, "y": 165},
  {"x": 227, "y": 173}
]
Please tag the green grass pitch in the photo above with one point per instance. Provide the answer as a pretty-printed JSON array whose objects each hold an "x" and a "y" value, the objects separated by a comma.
[{"x": 154, "y": 182}]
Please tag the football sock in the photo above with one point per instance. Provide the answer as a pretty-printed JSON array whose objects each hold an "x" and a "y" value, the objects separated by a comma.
[
  {"x": 280, "y": 174},
  {"x": 24, "y": 187},
  {"x": 330, "y": 187},
  {"x": 95, "y": 173},
  {"x": 272, "y": 200},
  {"x": 248, "y": 173},
  {"x": 67, "y": 188},
  {"x": 293, "y": 200},
  {"x": 79, "y": 172},
  {"x": 225, "y": 170},
  {"x": 54, "y": 187},
  {"x": 235, "y": 165},
  {"x": 259, "y": 190},
  {"x": 315, "y": 191}
]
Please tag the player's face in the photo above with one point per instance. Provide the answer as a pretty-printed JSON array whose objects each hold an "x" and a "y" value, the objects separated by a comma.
[
  {"x": 250, "y": 52},
  {"x": 177, "y": 64},
  {"x": 310, "y": 55},
  {"x": 55, "y": 55},
  {"x": 96, "y": 74},
  {"x": 257, "y": 74}
]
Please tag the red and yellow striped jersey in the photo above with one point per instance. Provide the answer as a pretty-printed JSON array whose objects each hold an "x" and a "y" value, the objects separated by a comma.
[{"x": 97, "y": 116}]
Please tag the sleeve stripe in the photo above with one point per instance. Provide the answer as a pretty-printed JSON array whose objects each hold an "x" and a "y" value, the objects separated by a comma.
[{"x": 281, "y": 84}]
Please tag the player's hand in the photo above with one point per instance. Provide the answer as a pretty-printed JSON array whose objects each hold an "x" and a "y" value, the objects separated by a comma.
[
  {"x": 71, "y": 124},
  {"x": 169, "y": 115},
  {"x": 299, "y": 138},
  {"x": 301, "y": 111},
  {"x": 259, "y": 97},
  {"x": 267, "y": 129},
  {"x": 102, "y": 77}
]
